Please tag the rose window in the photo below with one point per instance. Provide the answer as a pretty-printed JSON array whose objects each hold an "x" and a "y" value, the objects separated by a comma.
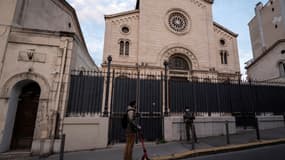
[{"x": 177, "y": 21}]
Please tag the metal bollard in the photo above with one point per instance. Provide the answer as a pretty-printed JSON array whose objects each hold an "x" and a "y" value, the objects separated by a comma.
[
  {"x": 257, "y": 128},
  {"x": 181, "y": 125},
  {"x": 193, "y": 137},
  {"x": 227, "y": 132},
  {"x": 284, "y": 118},
  {"x": 61, "y": 154}
]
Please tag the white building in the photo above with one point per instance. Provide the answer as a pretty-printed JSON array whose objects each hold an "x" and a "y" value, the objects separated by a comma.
[
  {"x": 40, "y": 43},
  {"x": 267, "y": 32}
]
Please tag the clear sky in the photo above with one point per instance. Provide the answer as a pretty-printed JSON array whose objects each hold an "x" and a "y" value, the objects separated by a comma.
[{"x": 233, "y": 14}]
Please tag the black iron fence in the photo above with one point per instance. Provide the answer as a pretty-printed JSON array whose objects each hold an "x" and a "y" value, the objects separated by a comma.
[
  {"x": 85, "y": 93},
  {"x": 232, "y": 96},
  {"x": 209, "y": 96},
  {"x": 160, "y": 95}
]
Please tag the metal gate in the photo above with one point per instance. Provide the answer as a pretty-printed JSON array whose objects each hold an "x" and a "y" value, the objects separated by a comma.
[{"x": 147, "y": 93}]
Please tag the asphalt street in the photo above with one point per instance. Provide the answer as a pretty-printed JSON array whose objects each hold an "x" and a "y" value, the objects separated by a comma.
[{"x": 275, "y": 152}]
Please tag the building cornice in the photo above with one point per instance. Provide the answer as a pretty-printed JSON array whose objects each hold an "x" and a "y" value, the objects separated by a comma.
[
  {"x": 265, "y": 53},
  {"x": 138, "y": 3},
  {"x": 225, "y": 29},
  {"x": 121, "y": 14}
]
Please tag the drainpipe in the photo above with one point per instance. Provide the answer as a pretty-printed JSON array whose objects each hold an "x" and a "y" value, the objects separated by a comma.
[
  {"x": 62, "y": 69},
  {"x": 64, "y": 93}
]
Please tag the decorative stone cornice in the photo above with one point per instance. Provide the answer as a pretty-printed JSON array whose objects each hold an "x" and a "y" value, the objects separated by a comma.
[
  {"x": 198, "y": 3},
  {"x": 125, "y": 19},
  {"x": 195, "y": 1},
  {"x": 209, "y": 1},
  {"x": 121, "y": 14},
  {"x": 224, "y": 31}
]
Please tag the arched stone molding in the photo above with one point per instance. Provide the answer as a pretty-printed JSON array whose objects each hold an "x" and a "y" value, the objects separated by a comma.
[
  {"x": 12, "y": 81},
  {"x": 173, "y": 49},
  {"x": 11, "y": 91},
  {"x": 19, "y": 80}
]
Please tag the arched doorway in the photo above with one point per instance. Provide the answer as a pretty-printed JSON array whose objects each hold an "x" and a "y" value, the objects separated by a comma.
[
  {"x": 24, "y": 125},
  {"x": 179, "y": 67}
]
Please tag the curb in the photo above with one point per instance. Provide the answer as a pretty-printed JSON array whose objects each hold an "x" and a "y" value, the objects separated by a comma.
[{"x": 214, "y": 150}]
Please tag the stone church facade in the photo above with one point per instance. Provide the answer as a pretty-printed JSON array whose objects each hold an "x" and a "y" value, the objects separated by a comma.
[
  {"x": 181, "y": 33},
  {"x": 40, "y": 43}
]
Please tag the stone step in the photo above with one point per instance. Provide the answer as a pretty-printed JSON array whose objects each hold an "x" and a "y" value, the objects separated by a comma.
[
  {"x": 243, "y": 130},
  {"x": 13, "y": 155}
]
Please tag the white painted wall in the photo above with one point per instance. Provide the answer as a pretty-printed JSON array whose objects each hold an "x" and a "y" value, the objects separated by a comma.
[
  {"x": 174, "y": 128},
  {"x": 267, "y": 68},
  {"x": 269, "y": 122},
  {"x": 84, "y": 133}
]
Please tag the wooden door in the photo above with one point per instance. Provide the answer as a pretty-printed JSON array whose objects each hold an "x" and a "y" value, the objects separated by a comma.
[{"x": 26, "y": 117}]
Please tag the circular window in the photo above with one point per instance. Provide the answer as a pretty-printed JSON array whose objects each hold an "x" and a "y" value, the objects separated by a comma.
[
  {"x": 125, "y": 29},
  {"x": 222, "y": 42},
  {"x": 178, "y": 21}
]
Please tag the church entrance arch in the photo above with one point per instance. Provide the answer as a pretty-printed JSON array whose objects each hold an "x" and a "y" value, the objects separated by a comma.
[
  {"x": 26, "y": 100},
  {"x": 179, "y": 67}
]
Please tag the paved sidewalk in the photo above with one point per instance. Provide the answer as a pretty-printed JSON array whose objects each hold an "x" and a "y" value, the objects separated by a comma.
[{"x": 180, "y": 149}]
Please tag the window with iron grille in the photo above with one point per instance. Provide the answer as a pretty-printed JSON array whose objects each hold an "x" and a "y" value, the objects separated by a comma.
[{"x": 178, "y": 63}]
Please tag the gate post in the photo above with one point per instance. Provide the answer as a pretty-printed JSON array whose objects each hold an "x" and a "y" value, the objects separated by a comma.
[
  {"x": 165, "y": 88},
  {"x": 105, "y": 114},
  {"x": 227, "y": 132},
  {"x": 257, "y": 128},
  {"x": 62, "y": 144}
]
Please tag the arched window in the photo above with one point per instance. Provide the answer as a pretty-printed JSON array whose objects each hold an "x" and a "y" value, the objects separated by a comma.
[
  {"x": 178, "y": 63},
  {"x": 282, "y": 69},
  {"x": 127, "y": 48},
  {"x": 121, "y": 47},
  {"x": 224, "y": 57},
  {"x": 124, "y": 47}
]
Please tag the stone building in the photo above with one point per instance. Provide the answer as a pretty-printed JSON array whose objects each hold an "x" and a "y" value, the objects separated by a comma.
[
  {"x": 182, "y": 33},
  {"x": 40, "y": 43},
  {"x": 267, "y": 32}
]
